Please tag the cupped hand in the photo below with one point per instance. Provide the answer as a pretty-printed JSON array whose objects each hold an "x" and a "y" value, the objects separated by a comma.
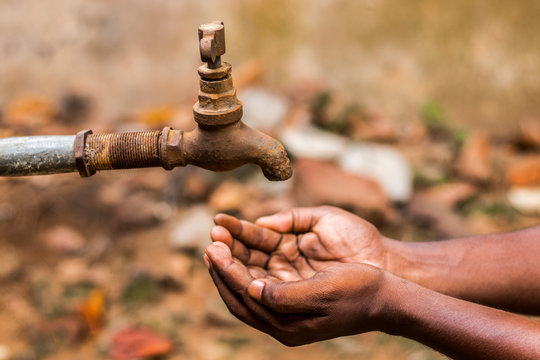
[
  {"x": 298, "y": 243},
  {"x": 341, "y": 299}
]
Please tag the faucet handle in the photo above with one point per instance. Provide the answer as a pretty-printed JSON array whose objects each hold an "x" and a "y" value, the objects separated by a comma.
[{"x": 212, "y": 43}]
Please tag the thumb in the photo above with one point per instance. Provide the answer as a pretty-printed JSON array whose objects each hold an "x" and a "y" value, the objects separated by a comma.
[
  {"x": 287, "y": 296},
  {"x": 255, "y": 289}
]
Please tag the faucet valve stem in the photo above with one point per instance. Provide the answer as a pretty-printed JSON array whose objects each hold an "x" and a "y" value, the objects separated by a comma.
[
  {"x": 212, "y": 43},
  {"x": 218, "y": 104}
]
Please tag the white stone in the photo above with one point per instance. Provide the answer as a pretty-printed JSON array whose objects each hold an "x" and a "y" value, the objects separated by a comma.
[
  {"x": 381, "y": 163},
  {"x": 525, "y": 199},
  {"x": 262, "y": 109},
  {"x": 5, "y": 353},
  {"x": 309, "y": 142},
  {"x": 192, "y": 231}
]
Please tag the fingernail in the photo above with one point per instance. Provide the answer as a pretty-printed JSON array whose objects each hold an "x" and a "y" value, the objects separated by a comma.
[
  {"x": 213, "y": 232},
  {"x": 221, "y": 245},
  {"x": 206, "y": 261},
  {"x": 255, "y": 289},
  {"x": 261, "y": 219}
]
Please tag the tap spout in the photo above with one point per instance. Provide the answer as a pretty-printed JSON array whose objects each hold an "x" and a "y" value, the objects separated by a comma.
[{"x": 225, "y": 148}]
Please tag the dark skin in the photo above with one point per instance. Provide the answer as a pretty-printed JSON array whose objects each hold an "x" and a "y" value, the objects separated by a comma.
[{"x": 311, "y": 274}]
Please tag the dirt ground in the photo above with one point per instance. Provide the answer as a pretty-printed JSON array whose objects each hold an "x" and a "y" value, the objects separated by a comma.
[{"x": 82, "y": 260}]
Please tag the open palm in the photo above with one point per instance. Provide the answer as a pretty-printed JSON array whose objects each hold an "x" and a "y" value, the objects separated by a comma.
[{"x": 297, "y": 244}]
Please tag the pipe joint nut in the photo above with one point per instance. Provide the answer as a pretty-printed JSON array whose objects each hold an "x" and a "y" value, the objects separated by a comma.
[{"x": 171, "y": 148}]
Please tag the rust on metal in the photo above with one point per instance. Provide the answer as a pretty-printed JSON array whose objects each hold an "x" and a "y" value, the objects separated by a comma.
[
  {"x": 171, "y": 149},
  {"x": 78, "y": 150},
  {"x": 220, "y": 142},
  {"x": 212, "y": 43},
  {"x": 123, "y": 150}
]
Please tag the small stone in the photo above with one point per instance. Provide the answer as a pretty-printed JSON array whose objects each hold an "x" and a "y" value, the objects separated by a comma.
[
  {"x": 63, "y": 239},
  {"x": 310, "y": 143},
  {"x": 375, "y": 127},
  {"x": 97, "y": 247},
  {"x": 319, "y": 183},
  {"x": 255, "y": 209},
  {"x": 192, "y": 230},
  {"x": 10, "y": 262},
  {"x": 475, "y": 159},
  {"x": 228, "y": 196},
  {"x": 529, "y": 132},
  {"x": 155, "y": 179},
  {"x": 524, "y": 172},
  {"x": 162, "y": 210},
  {"x": 5, "y": 352},
  {"x": 137, "y": 343},
  {"x": 381, "y": 163},
  {"x": 262, "y": 109},
  {"x": 525, "y": 199},
  {"x": 196, "y": 185},
  {"x": 448, "y": 195},
  {"x": 414, "y": 131},
  {"x": 435, "y": 207},
  {"x": 139, "y": 209},
  {"x": 55, "y": 333},
  {"x": 299, "y": 116},
  {"x": 425, "y": 210},
  {"x": 71, "y": 271},
  {"x": 178, "y": 269},
  {"x": 171, "y": 272}
]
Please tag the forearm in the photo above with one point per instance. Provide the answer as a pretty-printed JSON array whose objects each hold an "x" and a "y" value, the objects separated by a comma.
[
  {"x": 459, "y": 329},
  {"x": 499, "y": 270}
]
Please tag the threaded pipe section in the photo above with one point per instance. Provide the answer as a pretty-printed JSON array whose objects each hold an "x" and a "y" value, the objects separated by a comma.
[{"x": 123, "y": 150}]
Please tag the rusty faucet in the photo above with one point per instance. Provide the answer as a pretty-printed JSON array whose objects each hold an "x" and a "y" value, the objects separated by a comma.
[{"x": 220, "y": 142}]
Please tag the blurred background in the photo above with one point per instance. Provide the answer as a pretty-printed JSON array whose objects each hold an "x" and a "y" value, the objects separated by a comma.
[{"x": 421, "y": 116}]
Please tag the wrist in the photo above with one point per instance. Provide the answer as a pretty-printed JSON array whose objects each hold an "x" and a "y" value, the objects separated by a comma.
[
  {"x": 427, "y": 264},
  {"x": 401, "y": 306},
  {"x": 367, "y": 298},
  {"x": 386, "y": 309},
  {"x": 400, "y": 259},
  {"x": 388, "y": 312}
]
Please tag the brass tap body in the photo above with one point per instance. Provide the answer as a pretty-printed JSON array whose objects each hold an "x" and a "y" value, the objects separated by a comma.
[{"x": 220, "y": 142}]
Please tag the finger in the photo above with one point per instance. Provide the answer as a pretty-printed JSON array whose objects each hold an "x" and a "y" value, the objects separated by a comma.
[
  {"x": 221, "y": 234},
  {"x": 238, "y": 249},
  {"x": 296, "y": 220},
  {"x": 237, "y": 278},
  {"x": 235, "y": 305},
  {"x": 251, "y": 235},
  {"x": 288, "y": 296},
  {"x": 234, "y": 273}
]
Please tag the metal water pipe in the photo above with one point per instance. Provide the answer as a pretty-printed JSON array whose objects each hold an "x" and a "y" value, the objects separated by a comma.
[{"x": 220, "y": 142}]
